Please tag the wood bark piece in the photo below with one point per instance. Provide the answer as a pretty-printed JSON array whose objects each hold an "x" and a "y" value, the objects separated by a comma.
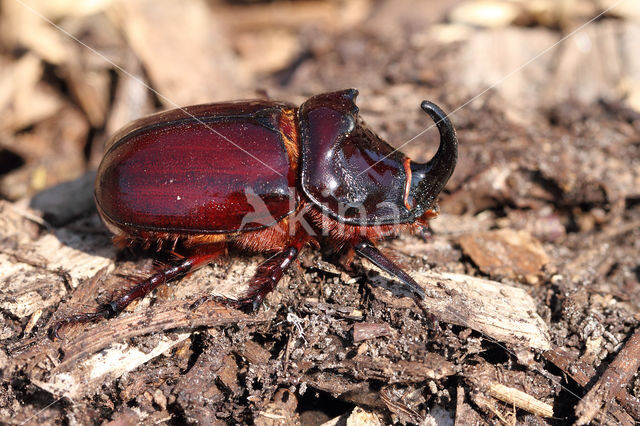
[
  {"x": 506, "y": 252},
  {"x": 79, "y": 256},
  {"x": 477, "y": 71},
  {"x": 23, "y": 27},
  {"x": 487, "y": 13},
  {"x": 99, "y": 354},
  {"x": 593, "y": 81},
  {"x": 465, "y": 415},
  {"x": 34, "y": 272},
  {"x": 45, "y": 163},
  {"x": 254, "y": 353},
  {"x": 26, "y": 288},
  {"x": 615, "y": 378},
  {"x": 24, "y": 99},
  {"x": 18, "y": 225},
  {"x": 202, "y": 55},
  {"x": 90, "y": 88},
  {"x": 517, "y": 389},
  {"x": 492, "y": 407},
  {"x": 131, "y": 100},
  {"x": 169, "y": 316},
  {"x": 347, "y": 388},
  {"x": 571, "y": 70},
  {"x": 502, "y": 312},
  {"x": 432, "y": 366},
  {"x": 399, "y": 401}
]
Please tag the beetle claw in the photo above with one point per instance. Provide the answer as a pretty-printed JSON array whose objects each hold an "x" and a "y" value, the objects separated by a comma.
[
  {"x": 425, "y": 233},
  {"x": 53, "y": 331},
  {"x": 249, "y": 303},
  {"x": 195, "y": 305}
]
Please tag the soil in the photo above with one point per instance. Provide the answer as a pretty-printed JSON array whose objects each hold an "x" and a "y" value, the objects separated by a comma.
[{"x": 531, "y": 269}]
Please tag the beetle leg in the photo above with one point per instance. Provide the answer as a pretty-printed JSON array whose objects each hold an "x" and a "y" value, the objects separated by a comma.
[
  {"x": 366, "y": 249},
  {"x": 199, "y": 258},
  {"x": 267, "y": 276},
  {"x": 424, "y": 232},
  {"x": 264, "y": 280}
]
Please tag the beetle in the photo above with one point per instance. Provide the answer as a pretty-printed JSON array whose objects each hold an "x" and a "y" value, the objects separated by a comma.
[{"x": 263, "y": 176}]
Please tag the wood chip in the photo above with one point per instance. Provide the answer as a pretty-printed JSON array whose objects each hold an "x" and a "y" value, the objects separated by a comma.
[
  {"x": 572, "y": 71},
  {"x": 106, "y": 365},
  {"x": 365, "y": 331},
  {"x": 280, "y": 411},
  {"x": 270, "y": 51},
  {"x": 502, "y": 312},
  {"x": 24, "y": 99},
  {"x": 481, "y": 65},
  {"x": 254, "y": 353},
  {"x": 80, "y": 256},
  {"x": 32, "y": 322},
  {"x": 132, "y": 100},
  {"x": 491, "y": 407},
  {"x": 34, "y": 273},
  {"x": 506, "y": 253},
  {"x": 465, "y": 414},
  {"x": 358, "y": 417},
  {"x": 26, "y": 288},
  {"x": 47, "y": 163},
  {"x": 583, "y": 373},
  {"x": 22, "y": 27},
  {"x": 228, "y": 375}
]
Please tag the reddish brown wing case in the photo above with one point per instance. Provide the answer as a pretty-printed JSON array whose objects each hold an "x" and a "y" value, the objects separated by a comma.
[{"x": 201, "y": 170}]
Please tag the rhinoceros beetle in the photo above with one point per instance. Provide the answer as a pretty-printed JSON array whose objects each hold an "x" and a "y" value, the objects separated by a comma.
[{"x": 263, "y": 176}]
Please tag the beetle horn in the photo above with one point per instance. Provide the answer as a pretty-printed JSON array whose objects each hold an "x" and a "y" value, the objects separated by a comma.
[{"x": 429, "y": 179}]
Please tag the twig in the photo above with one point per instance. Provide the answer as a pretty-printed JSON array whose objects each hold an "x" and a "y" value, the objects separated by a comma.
[
  {"x": 583, "y": 373},
  {"x": 520, "y": 399},
  {"x": 615, "y": 377}
]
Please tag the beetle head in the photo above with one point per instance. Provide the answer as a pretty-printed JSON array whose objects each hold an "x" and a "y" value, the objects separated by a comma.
[{"x": 356, "y": 177}]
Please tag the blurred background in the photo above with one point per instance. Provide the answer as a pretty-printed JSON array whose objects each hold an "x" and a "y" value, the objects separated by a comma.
[
  {"x": 73, "y": 72},
  {"x": 545, "y": 96}
]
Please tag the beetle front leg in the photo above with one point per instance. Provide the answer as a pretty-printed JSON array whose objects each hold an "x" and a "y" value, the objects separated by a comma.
[{"x": 366, "y": 249}]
